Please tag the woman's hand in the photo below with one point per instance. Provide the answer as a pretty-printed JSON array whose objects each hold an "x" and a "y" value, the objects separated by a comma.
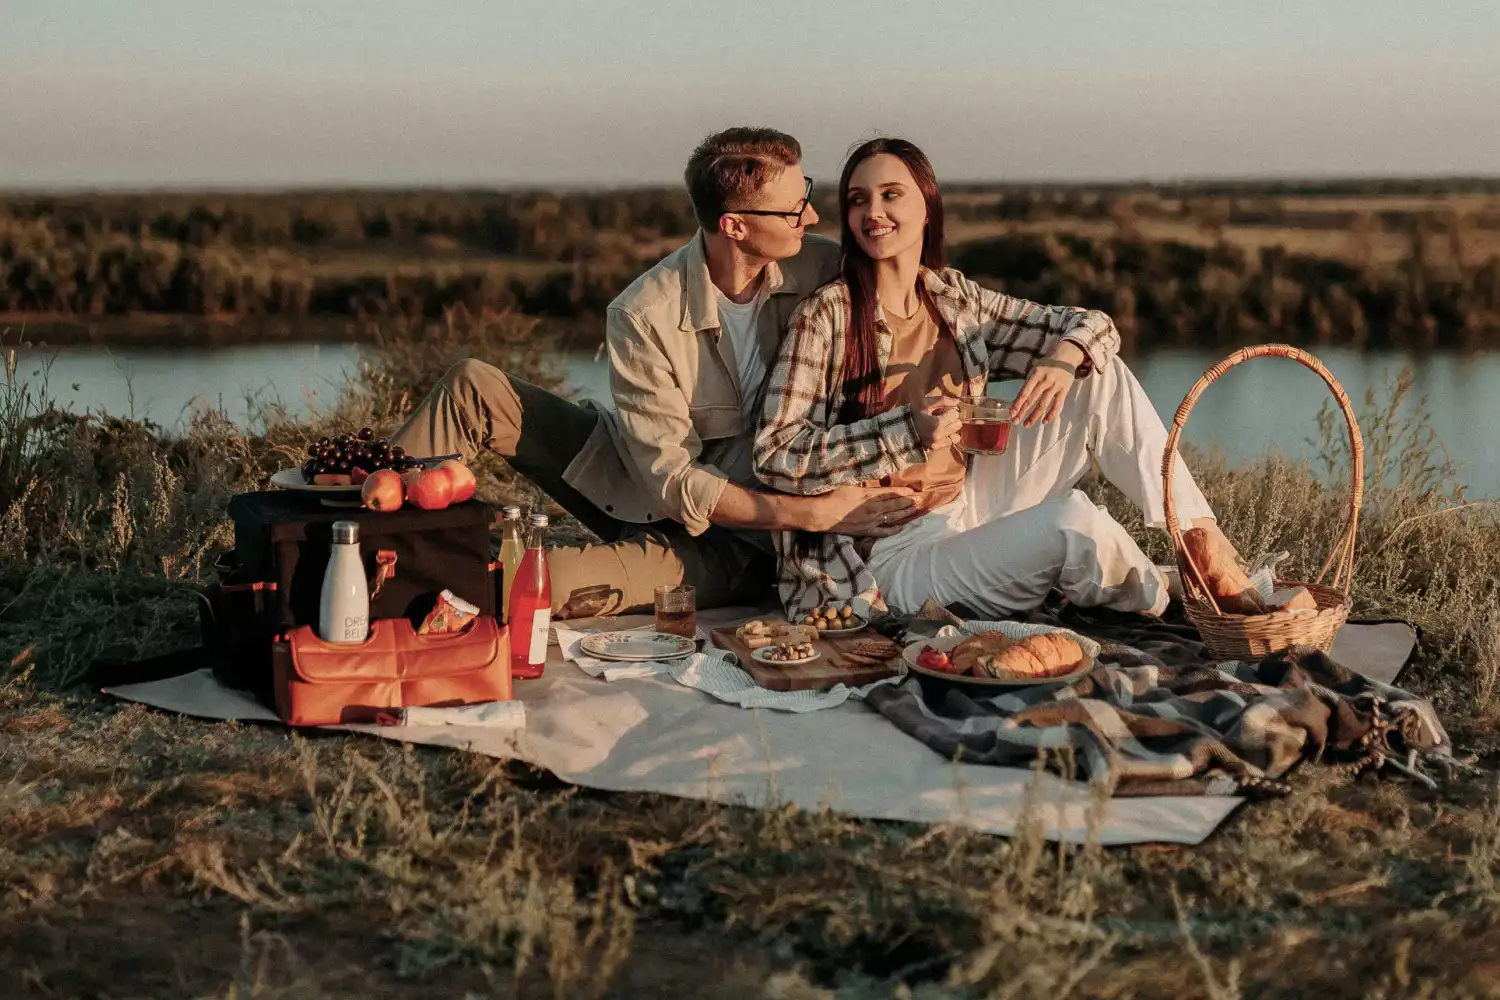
[
  {"x": 1041, "y": 397},
  {"x": 937, "y": 423}
]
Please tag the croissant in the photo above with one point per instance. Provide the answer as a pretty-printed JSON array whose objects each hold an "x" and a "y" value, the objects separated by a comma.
[
  {"x": 972, "y": 655},
  {"x": 1230, "y": 586},
  {"x": 1017, "y": 661},
  {"x": 1049, "y": 654},
  {"x": 1064, "y": 652}
]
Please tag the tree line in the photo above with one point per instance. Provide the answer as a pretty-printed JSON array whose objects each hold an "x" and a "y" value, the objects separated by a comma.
[{"x": 422, "y": 254}]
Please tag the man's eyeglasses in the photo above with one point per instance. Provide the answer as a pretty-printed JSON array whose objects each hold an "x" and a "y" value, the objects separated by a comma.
[{"x": 793, "y": 219}]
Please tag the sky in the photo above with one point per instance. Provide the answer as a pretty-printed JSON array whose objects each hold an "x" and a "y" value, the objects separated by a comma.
[{"x": 264, "y": 93}]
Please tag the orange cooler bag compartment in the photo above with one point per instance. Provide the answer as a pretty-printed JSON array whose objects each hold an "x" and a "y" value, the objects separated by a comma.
[{"x": 321, "y": 683}]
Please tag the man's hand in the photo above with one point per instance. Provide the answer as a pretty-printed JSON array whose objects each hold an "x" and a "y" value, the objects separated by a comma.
[
  {"x": 937, "y": 423},
  {"x": 865, "y": 512},
  {"x": 1041, "y": 397}
]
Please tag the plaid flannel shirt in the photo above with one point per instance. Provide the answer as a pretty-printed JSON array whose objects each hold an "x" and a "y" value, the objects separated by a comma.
[{"x": 800, "y": 448}]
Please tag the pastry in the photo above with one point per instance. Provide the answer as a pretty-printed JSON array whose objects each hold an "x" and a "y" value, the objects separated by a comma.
[
  {"x": 1019, "y": 660},
  {"x": 1221, "y": 573},
  {"x": 992, "y": 654},
  {"x": 968, "y": 655}
]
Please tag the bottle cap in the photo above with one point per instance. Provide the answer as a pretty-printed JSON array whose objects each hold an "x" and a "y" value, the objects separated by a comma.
[
  {"x": 345, "y": 532},
  {"x": 539, "y": 520},
  {"x": 510, "y": 513}
]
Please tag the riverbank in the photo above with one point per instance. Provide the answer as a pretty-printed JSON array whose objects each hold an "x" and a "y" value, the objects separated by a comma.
[
  {"x": 1176, "y": 266},
  {"x": 335, "y": 865}
]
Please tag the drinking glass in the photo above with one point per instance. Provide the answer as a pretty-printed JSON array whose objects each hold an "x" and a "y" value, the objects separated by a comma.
[
  {"x": 677, "y": 610},
  {"x": 985, "y": 425}
]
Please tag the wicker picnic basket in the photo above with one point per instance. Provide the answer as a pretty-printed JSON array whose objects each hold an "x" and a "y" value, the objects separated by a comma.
[{"x": 1248, "y": 637}]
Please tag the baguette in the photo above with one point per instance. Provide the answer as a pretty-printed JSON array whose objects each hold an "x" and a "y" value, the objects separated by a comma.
[{"x": 1221, "y": 572}]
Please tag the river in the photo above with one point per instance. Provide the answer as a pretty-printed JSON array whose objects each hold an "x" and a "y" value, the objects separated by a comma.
[{"x": 1267, "y": 401}]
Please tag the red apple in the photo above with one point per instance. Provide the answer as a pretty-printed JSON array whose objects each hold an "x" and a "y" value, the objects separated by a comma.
[
  {"x": 357, "y": 476},
  {"x": 382, "y": 491},
  {"x": 430, "y": 489},
  {"x": 463, "y": 480}
]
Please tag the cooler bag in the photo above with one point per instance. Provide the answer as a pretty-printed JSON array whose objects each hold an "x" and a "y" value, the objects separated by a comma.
[
  {"x": 272, "y": 582},
  {"x": 321, "y": 683}
]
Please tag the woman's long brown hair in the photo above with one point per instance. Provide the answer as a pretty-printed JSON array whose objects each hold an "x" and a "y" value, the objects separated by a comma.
[{"x": 864, "y": 389}]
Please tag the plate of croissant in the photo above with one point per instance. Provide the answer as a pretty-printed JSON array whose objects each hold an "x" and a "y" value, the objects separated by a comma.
[{"x": 992, "y": 659}]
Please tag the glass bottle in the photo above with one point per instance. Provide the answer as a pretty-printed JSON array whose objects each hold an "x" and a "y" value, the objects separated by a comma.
[
  {"x": 512, "y": 549},
  {"x": 531, "y": 604}
]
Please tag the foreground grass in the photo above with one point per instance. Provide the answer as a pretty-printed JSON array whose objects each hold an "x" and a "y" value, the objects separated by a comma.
[{"x": 147, "y": 855}]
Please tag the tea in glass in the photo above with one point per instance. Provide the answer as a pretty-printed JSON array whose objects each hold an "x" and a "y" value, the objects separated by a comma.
[
  {"x": 985, "y": 426},
  {"x": 677, "y": 610}
]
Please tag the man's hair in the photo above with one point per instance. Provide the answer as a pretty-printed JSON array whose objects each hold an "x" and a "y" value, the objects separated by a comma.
[{"x": 729, "y": 167}]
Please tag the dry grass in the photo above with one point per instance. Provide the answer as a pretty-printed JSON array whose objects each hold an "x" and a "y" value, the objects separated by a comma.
[{"x": 149, "y": 855}]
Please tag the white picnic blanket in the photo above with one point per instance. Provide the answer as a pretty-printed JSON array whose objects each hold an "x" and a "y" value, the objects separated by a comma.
[{"x": 652, "y": 734}]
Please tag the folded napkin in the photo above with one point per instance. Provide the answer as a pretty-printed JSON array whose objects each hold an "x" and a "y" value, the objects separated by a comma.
[{"x": 489, "y": 714}]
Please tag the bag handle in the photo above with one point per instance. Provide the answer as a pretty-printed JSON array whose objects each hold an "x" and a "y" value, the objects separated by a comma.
[{"x": 1341, "y": 559}]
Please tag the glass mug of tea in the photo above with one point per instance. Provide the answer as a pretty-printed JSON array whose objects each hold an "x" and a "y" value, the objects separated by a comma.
[
  {"x": 677, "y": 610},
  {"x": 985, "y": 425}
]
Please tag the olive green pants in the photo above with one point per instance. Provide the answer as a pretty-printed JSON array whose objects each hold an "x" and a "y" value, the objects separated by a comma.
[{"x": 475, "y": 405}]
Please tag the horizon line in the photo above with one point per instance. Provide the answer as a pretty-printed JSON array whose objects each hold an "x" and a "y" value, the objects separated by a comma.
[{"x": 532, "y": 187}]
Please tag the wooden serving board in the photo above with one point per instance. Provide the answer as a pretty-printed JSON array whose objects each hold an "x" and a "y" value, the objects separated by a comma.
[{"x": 825, "y": 672}]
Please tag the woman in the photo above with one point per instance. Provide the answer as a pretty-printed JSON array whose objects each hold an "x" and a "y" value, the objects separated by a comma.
[{"x": 865, "y": 391}]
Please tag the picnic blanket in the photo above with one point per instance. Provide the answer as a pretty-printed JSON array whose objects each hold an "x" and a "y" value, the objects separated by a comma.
[
  {"x": 650, "y": 734},
  {"x": 1159, "y": 717}
]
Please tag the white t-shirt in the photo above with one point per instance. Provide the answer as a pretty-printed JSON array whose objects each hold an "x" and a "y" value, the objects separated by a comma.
[{"x": 738, "y": 324}]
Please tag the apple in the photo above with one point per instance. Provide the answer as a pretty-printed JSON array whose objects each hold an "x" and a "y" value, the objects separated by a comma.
[
  {"x": 383, "y": 490},
  {"x": 357, "y": 476},
  {"x": 463, "y": 480},
  {"x": 430, "y": 489},
  {"x": 332, "y": 479}
]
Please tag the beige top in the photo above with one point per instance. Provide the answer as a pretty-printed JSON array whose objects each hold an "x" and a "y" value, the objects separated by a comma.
[{"x": 924, "y": 361}]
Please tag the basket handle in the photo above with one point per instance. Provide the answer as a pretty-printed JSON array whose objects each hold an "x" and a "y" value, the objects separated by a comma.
[{"x": 1341, "y": 559}]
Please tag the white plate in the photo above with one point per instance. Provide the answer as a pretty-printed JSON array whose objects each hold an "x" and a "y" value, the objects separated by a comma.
[
  {"x": 637, "y": 647},
  {"x": 761, "y": 655},
  {"x": 910, "y": 653},
  {"x": 291, "y": 479},
  {"x": 863, "y": 624}
]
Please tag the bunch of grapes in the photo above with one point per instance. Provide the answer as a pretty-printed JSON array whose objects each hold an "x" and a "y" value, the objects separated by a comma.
[{"x": 354, "y": 455}]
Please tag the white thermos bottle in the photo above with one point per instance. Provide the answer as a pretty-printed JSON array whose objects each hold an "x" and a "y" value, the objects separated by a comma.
[{"x": 344, "y": 614}]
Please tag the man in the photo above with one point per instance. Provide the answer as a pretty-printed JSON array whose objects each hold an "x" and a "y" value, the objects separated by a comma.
[{"x": 665, "y": 478}]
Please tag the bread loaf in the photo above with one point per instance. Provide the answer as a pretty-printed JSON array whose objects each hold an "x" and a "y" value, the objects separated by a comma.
[
  {"x": 1292, "y": 599},
  {"x": 1221, "y": 572}
]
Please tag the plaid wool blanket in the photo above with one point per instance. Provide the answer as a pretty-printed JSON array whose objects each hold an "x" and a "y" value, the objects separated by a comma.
[{"x": 1159, "y": 717}]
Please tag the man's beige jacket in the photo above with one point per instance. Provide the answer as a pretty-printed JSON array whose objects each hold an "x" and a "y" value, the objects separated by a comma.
[{"x": 677, "y": 431}]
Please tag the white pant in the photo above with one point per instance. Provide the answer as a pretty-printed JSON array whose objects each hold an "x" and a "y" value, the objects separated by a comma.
[{"x": 1020, "y": 529}]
